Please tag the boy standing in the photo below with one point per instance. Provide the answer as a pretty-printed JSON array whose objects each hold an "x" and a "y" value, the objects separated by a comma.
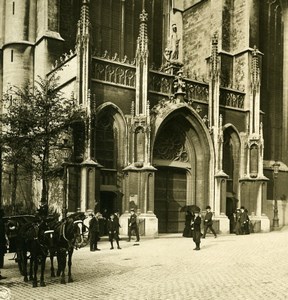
[{"x": 196, "y": 229}]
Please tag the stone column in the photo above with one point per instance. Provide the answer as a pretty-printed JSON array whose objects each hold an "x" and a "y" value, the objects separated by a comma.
[
  {"x": 90, "y": 184},
  {"x": 285, "y": 89}
]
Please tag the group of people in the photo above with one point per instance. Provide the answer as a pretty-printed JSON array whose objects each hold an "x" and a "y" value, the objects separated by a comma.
[
  {"x": 193, "y": 221},
  {"x": 241, "y": 221},
  {"x": 113, "y": 227},
  {"x": 193, "y": 225}
]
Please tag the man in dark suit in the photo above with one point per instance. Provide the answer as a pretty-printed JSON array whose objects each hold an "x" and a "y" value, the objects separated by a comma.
[
  {"x": 113, "y": 229},
  {"x": 244, "y": 220},
  {"x": 133, "y": 226},
  {"x": 94, "y": 230},
  {"x": 208, "y": 222}
]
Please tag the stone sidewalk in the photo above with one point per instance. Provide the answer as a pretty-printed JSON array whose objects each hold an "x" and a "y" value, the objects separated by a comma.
[{"x": 248, "y": 267}]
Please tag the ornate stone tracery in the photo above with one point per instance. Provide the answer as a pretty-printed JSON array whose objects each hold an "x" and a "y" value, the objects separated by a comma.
[{"x": 171, "y": 146}]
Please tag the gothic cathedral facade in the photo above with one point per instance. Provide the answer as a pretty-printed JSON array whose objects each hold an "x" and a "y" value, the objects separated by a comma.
[{"x": 186, "y": 103}]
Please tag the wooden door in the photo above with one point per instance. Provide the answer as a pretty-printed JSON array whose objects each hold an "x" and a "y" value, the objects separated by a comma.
[{"x": 170, "y": 196}]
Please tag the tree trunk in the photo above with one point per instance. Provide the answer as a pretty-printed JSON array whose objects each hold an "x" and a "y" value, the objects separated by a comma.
[{"x": 14, "y": 187}]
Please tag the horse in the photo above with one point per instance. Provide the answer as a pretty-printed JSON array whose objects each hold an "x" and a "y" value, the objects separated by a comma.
[
  {"x": 68, "y": 235},
  {"x": 12, "y": 227},
  {"x": 37, "y": 238}
]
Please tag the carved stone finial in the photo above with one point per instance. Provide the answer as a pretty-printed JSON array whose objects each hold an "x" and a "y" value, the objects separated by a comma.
[
  {"x": 220, "y": 121},
  {"x": 142, "y": 41},
  {"x": 143, "y": 16},
  {"x": 214, "y": 55},
  {"x": 255, "y": 69},
  {"x": 83, "y": 23},
  {"x": 132, "y": 108},
  {"x": 215, "y": 39},
  {"x": 179, "y": 84}
]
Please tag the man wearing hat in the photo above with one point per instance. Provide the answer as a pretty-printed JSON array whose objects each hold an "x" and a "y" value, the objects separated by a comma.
[
  {"x": 113, "y": 227},
  {"x": 94, "y": 230},
  {"x": 208, "y": 222},
  {"x": 133, "y": 225}
]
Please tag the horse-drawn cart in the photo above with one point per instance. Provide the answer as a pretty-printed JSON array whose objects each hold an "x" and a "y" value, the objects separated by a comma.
[{"x": 38, "y": 236}]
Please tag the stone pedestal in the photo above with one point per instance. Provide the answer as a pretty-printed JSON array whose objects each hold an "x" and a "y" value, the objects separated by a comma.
[
  {"x": 148, "y": 224},
  {"x": 265, "y": 223},
  {"x": 224, "y": 225}
]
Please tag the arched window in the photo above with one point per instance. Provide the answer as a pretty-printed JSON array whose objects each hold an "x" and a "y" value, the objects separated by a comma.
[
  {"x": 115, "y": 26},
  {"x": 105, "y": 141}
]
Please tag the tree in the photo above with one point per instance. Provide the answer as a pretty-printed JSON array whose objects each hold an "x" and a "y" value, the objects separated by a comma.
[{"x": 34, "y": 118}]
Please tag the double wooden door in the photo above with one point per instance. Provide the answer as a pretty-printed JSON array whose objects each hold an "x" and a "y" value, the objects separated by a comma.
[{"x": 170, "y": 196}]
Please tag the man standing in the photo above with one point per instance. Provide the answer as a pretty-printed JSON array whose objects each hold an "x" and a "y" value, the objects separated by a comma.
[
  {"x": 94, "y": 230},
  {"x": 3, "y": 242},
  {"x": 133, "y": 225},
  {"x": 208, "y": 222},
  {"x": 113, "y": 228},
  {"x": 244, "y": 220}
]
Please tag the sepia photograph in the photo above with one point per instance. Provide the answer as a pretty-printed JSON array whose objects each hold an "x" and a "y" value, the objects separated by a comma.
[{"x": 143, "y": 149}]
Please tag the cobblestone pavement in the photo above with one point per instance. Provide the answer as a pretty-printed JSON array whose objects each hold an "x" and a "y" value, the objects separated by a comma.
[{"x": 230, "y": 267}]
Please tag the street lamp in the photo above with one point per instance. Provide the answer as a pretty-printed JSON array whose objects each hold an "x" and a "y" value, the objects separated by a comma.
[
  {"x": 275, "y": 167},
  {"x": 66, "y": 150}
]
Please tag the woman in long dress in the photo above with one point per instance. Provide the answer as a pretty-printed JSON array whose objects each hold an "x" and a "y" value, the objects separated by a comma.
[{"x": 187, "y": 229}]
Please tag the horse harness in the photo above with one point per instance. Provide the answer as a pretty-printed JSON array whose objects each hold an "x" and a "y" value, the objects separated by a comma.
[{"x": 71, "y": 243}]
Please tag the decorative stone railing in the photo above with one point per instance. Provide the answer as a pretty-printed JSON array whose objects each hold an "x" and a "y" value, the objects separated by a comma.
[
  {"x": 123, "y": 74},
  {"x": 160, "y": 82},
  {"x": 232, "y": 98},
  {"x": 197, "y": 91},
  {"x": 114, "y": 72}
]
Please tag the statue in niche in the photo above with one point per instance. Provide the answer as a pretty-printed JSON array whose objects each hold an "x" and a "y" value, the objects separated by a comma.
[
  {"x": 171, "y": 53},
  {"x": 174, "y": 43},
  {"x": 172, "y": 50}
]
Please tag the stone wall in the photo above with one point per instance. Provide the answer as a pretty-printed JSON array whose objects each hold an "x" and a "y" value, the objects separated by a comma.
[
  {"x": 196, "y": 38},
  {"x": 240, "y": 38}
]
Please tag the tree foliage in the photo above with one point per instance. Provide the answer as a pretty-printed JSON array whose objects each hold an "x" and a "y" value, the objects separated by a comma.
[{"x": 33, "y": 120}]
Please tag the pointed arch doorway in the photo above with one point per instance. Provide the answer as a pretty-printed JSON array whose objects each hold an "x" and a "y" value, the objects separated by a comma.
[{"x": 181, "y": 155}]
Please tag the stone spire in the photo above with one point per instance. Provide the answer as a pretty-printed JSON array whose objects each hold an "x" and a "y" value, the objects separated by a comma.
[
  {"x": 142, "y": 54},
  {"x": 142, "y": 41},
  {"x": 255, "y": 93},
  {"x": 214, "y": 85},
  {"x": 255, "y": 80},
  {"x": 83, "y": 54},
  {"x": 83, "y": 25}
]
